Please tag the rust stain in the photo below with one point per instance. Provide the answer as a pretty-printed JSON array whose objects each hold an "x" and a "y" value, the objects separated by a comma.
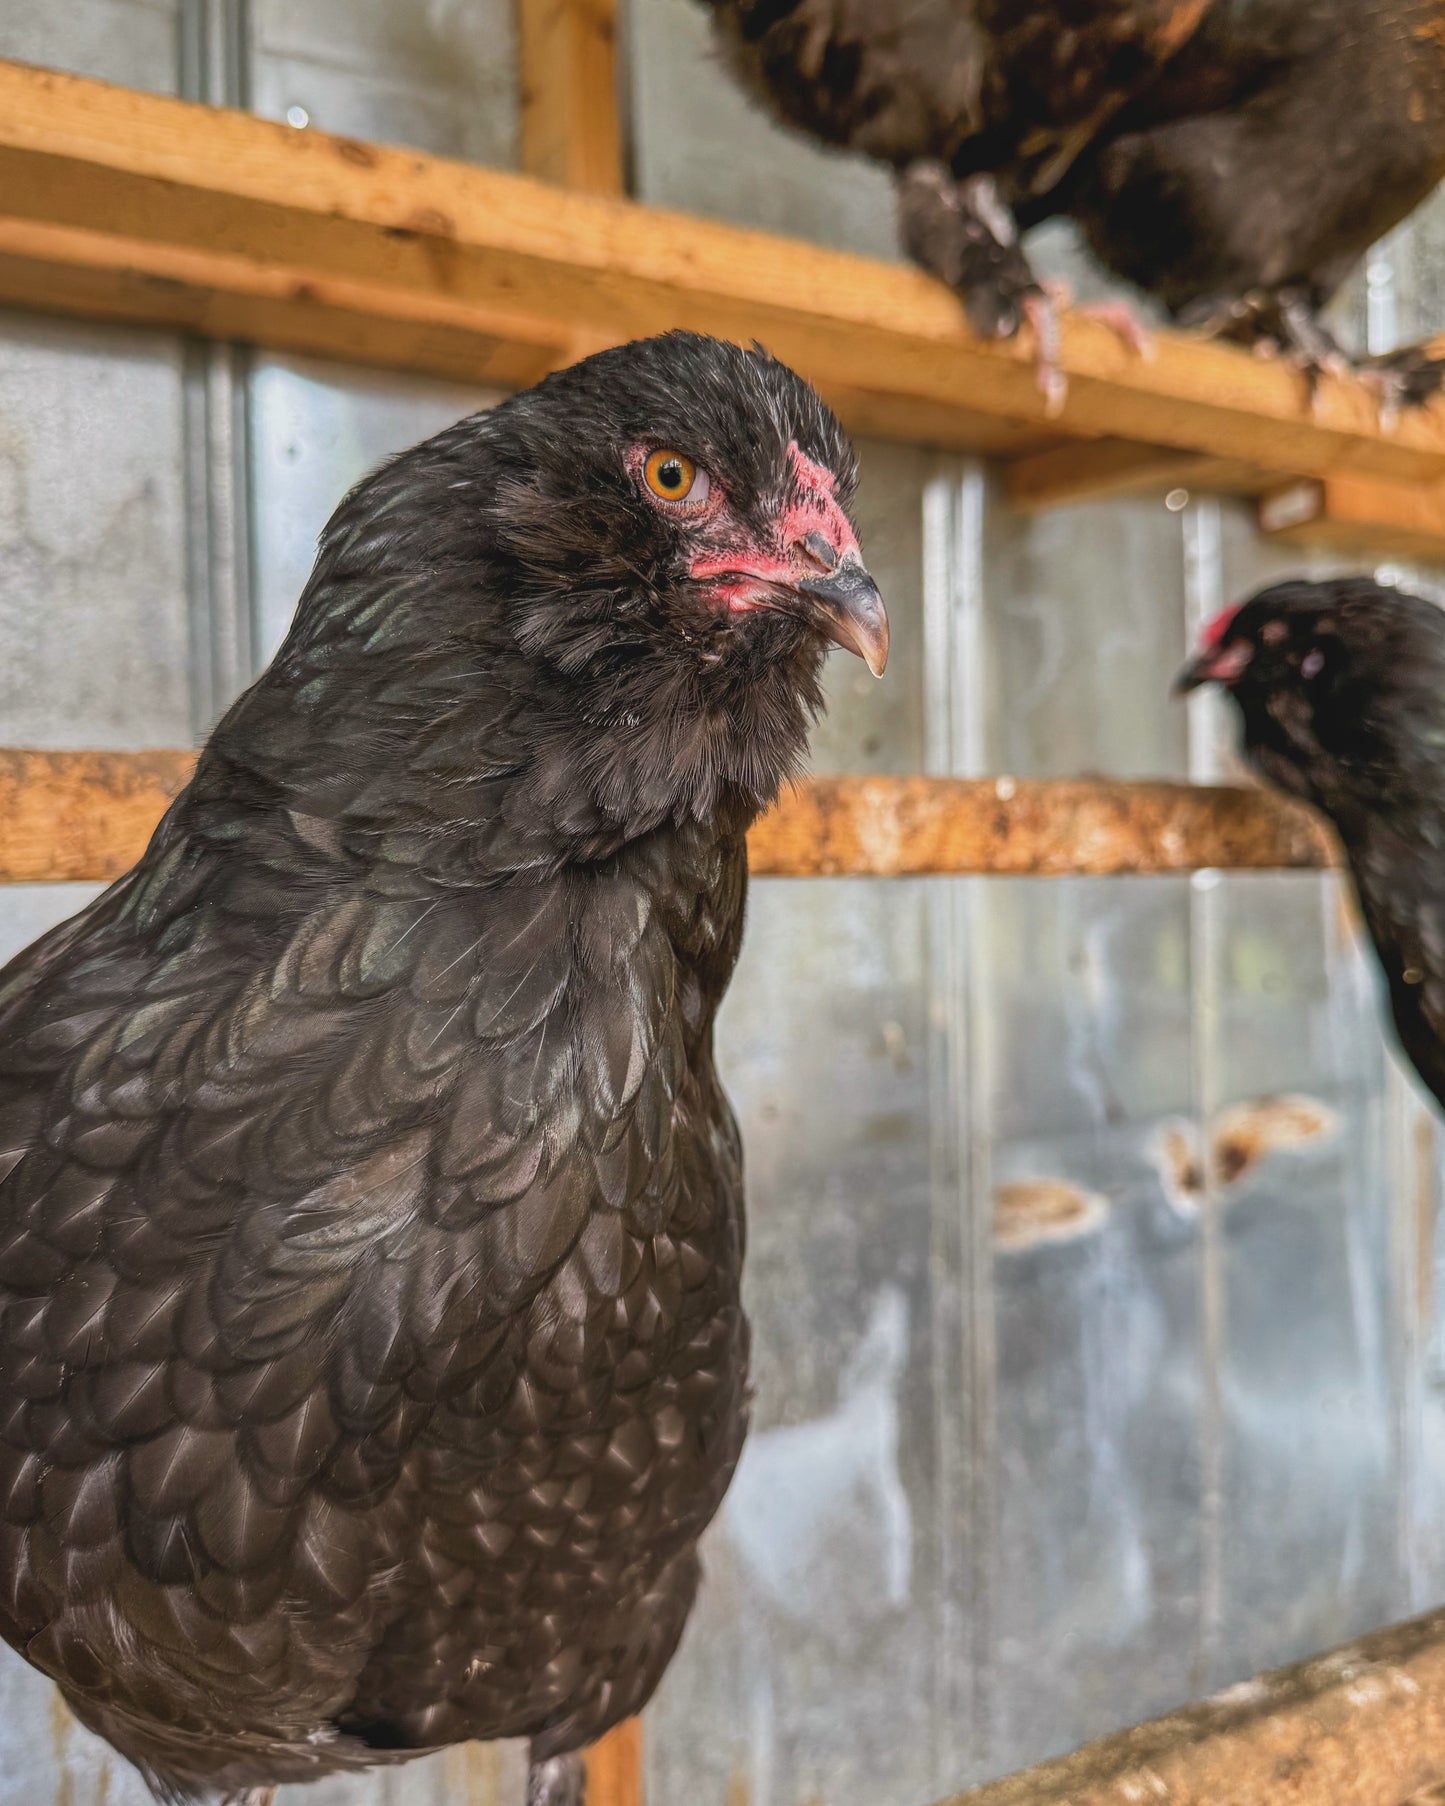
[
  {"x": 1029, "y": 1211},
  {"x": 1176, "y": 1155},
  {"x": 1433, "y": 30},
  {"x": 1245, "y": 1133},
  {"x": 1240, "y": 1137},
  {"x": 61, "y": 1725},
  {"x": 739, "y": 1793}
]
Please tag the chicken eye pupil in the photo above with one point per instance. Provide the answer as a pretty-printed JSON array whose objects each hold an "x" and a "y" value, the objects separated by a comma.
[{"x": 673, "y": 477}]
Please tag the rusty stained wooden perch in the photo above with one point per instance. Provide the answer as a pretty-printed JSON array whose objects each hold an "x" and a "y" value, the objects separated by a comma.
[
  {"x": 1361, "y": 1726},
  {"x": 1027, "y": 828},
  {"x": 88, "y": 815}
]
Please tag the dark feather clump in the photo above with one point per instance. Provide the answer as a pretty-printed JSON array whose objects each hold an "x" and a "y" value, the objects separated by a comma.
[
  {"x": 1234, "y": 160},
  {"x": 371, "y": 1353},
  {"x": 1340, "y": 688}
]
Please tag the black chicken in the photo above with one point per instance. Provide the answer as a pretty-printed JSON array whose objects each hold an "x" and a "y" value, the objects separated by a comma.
[
  {"x": 1233, "y": 157},
  {"x": 1341, "y": 690},
  {"x": 370, "y": 1237}
]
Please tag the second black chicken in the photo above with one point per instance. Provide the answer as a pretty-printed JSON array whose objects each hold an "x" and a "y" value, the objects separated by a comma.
[{"x": 1340, "y": 688}]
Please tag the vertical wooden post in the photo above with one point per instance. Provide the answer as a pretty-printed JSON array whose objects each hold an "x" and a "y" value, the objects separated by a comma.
[
  {"x": 614, "y": 1767},
  {"x": 571, "y": 133},
  {"x": 572, "y": 136}
]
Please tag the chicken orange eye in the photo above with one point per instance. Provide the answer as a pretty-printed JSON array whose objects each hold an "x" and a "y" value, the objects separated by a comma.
[{"x": 674, "y": 478}]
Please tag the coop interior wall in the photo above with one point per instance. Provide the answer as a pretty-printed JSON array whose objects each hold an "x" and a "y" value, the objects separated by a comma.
[{"x": 1092, "y": 1252}]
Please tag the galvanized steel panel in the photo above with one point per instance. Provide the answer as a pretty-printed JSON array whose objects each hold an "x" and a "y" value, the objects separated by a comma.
[
  {"x": 439, "y": 75},
  {"x": 134, "y": 42},
  {"x": 699, "y": 143},
  {"x": 93, "y": 607}
]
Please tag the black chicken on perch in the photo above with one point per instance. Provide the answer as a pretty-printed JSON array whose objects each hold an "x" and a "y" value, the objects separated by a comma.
[
  {"x": 371, "y": 1355},
  {"x": 1341, "y": 692},
  {"x": 1234, "y": 158}
]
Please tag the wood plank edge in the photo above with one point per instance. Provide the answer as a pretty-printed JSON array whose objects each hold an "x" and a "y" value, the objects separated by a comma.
[{"x": 1359, "y": 516}]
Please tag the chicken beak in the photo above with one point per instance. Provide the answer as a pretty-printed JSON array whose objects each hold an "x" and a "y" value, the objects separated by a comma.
[
  {"x": 1215, "y": 664},
  {"x": 1193, "y": 677},
  {"x": 845, "y": 606}
]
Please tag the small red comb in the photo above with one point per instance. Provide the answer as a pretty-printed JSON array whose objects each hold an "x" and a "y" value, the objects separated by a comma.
[{"x": 1219, "y": 626}]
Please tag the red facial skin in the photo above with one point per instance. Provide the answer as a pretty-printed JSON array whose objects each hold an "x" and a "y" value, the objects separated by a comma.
[
  {"x": 1218, "y": 627},
  {"x": 1217, "y": 662},
  {"x": 737, "y": 570}
]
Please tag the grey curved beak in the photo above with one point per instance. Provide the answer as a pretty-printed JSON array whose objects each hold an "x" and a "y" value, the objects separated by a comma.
[
  {"x": 844, "y": 604},
  {"x": 1194, "y": 675}
]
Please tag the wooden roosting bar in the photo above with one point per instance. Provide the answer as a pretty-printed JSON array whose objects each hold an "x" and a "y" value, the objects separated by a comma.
[
  {"x": 87, "y": 816},
  {"x": 134, "y": 207},
  {"x": 1363, "y": 1725},
  {"x": 129, "y": 207}
]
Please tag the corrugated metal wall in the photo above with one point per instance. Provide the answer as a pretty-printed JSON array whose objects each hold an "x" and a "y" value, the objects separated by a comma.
[{"x": 1090, "y": 1376}]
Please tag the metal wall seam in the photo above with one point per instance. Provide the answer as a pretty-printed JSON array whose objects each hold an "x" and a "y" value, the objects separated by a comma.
[
  {"x": 955, "y": 705},
  {"x": 214, "y": 57}
]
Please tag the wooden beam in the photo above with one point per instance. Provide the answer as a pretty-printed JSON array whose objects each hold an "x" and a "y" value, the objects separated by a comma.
[
  {"x": 133, "y": 193},
  {"x": 571, "y": 134},
  {"x": 88, "y": 815},
  {"x": 1361, "y": 1726},
  {"x": 55, "y": 269},
  {"x": 1091, "y": 470},
  {"x": 1354, "y": 514}
]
